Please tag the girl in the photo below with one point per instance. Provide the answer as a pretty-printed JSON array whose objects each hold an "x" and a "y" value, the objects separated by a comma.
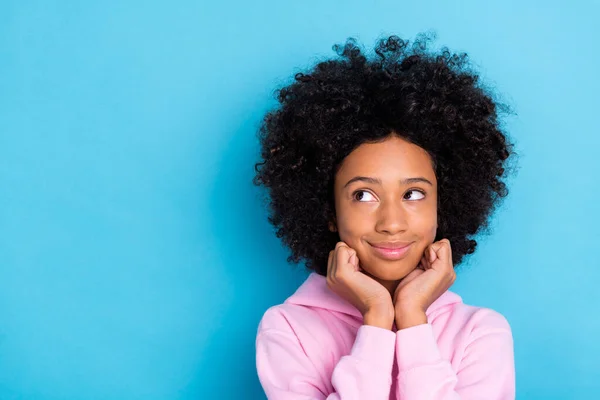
[{"x": 379, "y": 172}]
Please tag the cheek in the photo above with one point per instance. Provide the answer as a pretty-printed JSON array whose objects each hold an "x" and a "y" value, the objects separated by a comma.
[
  {"x": 352, "y": 226},
  {"x": 430, "y": 225},
  {"x": 352, "y": 235},
  {"x": 433, "y": 233}
]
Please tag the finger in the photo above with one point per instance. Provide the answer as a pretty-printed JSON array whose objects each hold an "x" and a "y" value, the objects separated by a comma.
[
  {"x": 425, "y": 258},
  {"x": 428, "y": 265},
  {"x": 354, "y": 261},
  {"x": 351, "y": 257},
  {"x": 337, "y": 256},
  {"x": 334, "y": 270},
  {"x": 343, "y": 259},
  {"x": 330, "y": 270},
  {"x": 432, "y": 254},
  {"x": 449, "y": 249},
  {"x": 444, "y": 253}
]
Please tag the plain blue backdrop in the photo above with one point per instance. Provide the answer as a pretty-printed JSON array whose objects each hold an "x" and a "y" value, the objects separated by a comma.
[{"x": 135, "y": 255}]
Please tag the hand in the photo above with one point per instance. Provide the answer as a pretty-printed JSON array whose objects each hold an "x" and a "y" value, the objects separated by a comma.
[
  {"x": 346, "y": 278},
  {"x": 422, "y": 286}
]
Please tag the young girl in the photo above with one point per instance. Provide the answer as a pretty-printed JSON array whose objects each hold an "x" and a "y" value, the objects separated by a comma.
[{"x": 379, "y": 171}]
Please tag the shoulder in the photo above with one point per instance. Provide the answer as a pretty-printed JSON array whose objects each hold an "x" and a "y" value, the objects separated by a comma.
[
  {"x": 319, "y": 331},
  {"x": 453, "y": 311},
  {"x": 486, "y": 318},
  {"x": 288, "y": 318},
  {"x": 293, "y": 328},
  {"x": 475, "y": 321},
  {"x": 465, "y": 329}
]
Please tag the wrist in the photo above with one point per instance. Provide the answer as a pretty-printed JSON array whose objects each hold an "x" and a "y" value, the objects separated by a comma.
[
  {"x": 406, "y": 320},
  {"x": 379, "y": 319}
]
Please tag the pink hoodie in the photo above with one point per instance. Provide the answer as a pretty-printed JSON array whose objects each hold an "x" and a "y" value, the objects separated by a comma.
[{"x": 315, "y": 346}]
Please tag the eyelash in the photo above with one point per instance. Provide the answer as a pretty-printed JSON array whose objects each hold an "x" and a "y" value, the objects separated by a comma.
[{"x": 361, "y": 190}]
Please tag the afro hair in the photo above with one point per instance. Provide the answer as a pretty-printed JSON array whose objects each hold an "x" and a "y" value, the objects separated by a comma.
[{"x": 430, "y": 98}]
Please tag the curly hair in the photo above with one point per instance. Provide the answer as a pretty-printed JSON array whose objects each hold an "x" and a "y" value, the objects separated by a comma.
[{"x": 431, "y": 99}]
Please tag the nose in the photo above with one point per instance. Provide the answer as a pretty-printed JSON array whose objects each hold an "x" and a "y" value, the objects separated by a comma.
[{"x": 391, "y": 218}]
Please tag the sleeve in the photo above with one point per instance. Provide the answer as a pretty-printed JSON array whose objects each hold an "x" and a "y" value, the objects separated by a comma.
[
  {"x": 286, "y": 373},
  {"x": 486, "y": 370}
]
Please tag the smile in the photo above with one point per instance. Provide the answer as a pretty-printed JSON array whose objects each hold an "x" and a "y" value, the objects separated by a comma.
[{"x": 391, "y": 254}]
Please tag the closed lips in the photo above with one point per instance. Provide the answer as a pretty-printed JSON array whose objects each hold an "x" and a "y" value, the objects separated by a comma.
[{"x": 391, "y": 246}]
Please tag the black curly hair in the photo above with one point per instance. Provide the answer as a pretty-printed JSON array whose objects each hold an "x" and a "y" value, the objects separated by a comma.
[{"x": 431, "y": 99}]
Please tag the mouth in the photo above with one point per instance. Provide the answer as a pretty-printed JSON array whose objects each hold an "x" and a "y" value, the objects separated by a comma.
[{"x": 391, "y": 253}]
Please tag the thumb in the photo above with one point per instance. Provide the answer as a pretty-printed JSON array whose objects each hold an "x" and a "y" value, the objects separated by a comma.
[{"x": 354, "y": 261}]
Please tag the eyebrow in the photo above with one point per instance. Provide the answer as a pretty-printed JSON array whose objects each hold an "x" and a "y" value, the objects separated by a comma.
[{"x": 377, "y": 181}]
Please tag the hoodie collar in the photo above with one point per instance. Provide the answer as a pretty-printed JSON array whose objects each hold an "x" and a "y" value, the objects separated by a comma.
[{"x": 314, "y": 292}]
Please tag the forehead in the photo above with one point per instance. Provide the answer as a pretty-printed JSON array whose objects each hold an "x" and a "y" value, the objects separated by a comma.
[{"x": 393, "y": 158}]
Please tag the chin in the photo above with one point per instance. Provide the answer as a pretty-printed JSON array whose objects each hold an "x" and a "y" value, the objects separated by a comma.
[{"x": 390, "y": 272}]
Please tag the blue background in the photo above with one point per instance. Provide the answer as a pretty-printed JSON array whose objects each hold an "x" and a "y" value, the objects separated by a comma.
[{"x": 135, "y": 255}]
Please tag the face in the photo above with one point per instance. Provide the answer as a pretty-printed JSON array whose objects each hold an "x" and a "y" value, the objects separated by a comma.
[{"x": 386, "y": 192}]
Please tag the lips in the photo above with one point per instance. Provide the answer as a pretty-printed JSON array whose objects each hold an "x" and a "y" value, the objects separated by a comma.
[
  {"x": 391, "y": 245},
  {"x": 391, "y": 253}
]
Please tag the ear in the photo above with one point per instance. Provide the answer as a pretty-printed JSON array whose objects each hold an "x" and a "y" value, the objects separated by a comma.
[{"x": 332, "y": 227}]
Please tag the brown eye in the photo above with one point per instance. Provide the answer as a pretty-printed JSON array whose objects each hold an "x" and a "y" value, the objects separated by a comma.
[
  {"x": 360, "y": 198},
  {"x": 415, "y": 191}
]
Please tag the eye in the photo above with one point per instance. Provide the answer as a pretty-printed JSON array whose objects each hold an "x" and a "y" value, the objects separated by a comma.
[
  {"x": 361, "y": 197},
  {"x": 416, "y": 191},
  {"x": 408, "y": 196}
]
